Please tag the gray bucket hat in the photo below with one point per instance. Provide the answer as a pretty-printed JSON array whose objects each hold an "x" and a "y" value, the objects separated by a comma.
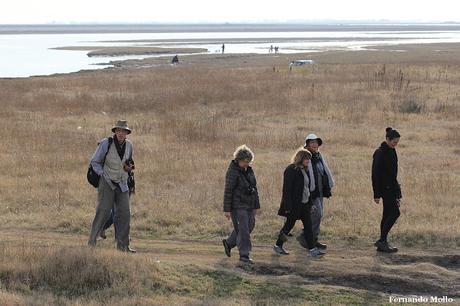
[
  {"x": 311, "y": 137},
  {"x": 121, "y": 124}
]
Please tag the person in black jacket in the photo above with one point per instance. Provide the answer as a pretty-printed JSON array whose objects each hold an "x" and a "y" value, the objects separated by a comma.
[
  {"x": 385, "y": 185},
  {"x": 296, "y": 202},
  {"x": 241, "y": 201}
]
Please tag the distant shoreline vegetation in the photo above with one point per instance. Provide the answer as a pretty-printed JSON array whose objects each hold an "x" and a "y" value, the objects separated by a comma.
[{"x": 122, "y": 51}]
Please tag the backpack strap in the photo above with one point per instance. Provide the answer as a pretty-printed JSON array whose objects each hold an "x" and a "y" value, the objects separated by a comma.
[{"x": 110, "y": 139}]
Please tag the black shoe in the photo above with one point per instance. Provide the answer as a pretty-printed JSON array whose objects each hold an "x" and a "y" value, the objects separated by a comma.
[
  {"x": 227, "y": 248},
  {"x": 247, "y": 260},
  {"x": 384, "y": 247},
  {"x": 320, "y": 245},
  {"x": 279, "y": 250}
]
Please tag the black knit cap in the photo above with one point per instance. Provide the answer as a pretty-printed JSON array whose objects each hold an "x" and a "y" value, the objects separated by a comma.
[{"x": 391, "y": 133}]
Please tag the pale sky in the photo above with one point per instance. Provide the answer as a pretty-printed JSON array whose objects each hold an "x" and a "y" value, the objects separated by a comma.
[{"x": 215, "y": 11}]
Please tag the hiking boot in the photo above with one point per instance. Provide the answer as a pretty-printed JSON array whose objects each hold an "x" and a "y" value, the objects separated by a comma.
[
  {"x": 246, "y": 259},
  {"x": 302, "y": 241},
  {"x": 320, "y": 245},
  {"x": 227, "y": 248},
  {"x": 279, "y": 250},
  {"x": 384, "y": 247},
  {"x": 315, "y": 252}
]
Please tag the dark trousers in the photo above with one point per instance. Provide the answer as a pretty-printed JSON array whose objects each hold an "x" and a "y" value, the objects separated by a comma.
[
  {"x": 305, "y": 217},
  {"x": 391, "y": 213}
]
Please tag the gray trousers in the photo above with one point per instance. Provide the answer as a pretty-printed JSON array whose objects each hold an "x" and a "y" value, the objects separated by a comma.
[
  {"x": 243, "y": 223},
  {"x": 317, "y": 211},
  {"x": 108, "y": 199}
]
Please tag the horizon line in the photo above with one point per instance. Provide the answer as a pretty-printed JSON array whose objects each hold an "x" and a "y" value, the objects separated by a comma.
[{"x": 293, "y": 22}]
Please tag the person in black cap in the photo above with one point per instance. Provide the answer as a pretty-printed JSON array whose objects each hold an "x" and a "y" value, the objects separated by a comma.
[{"x": 386, "y": 186}]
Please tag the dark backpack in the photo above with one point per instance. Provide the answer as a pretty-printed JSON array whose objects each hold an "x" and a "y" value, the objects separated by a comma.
[{"x": 91, "y": 175}]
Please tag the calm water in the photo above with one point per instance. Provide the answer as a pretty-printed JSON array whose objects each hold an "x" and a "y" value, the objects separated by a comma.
[{"x": 23, "y": 55}]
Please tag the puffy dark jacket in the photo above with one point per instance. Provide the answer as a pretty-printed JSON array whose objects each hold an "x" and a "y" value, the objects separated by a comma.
[
  {"x": 385, "y": 172},
  {"x": 238, "y": 182}
]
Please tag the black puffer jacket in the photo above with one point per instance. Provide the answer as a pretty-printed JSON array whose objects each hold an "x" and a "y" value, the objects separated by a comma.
[
  {"x": 238, "y": 183},
  {"x": 385, "y": 172}
]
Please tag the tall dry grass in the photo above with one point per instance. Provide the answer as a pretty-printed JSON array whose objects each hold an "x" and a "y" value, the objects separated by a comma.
[
  {"x": 187, "y": 122},
  {"x": 47, "y": 275}
]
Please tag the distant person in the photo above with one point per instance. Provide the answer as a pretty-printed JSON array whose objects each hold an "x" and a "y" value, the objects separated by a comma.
[
  {"x": 241, "y": 202},
  {"x": 112, "y": 161},
  {"x": 298, "y": 183},
  {"x": 386, "y": 186},
  {"x": 223, "y": 48},
  {"x": 175, "y": 60},
  {"x": 323, "y": 189},
  {"x": 271, "y": 49},
  {"x": 276, "y": 49}
]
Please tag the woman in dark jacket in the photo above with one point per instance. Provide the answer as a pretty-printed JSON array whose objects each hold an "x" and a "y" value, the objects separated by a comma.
[
  {"x": 241, "y": 200},
  {"x": 296, "y": 202},
  {"x": 385, "y": 185}
]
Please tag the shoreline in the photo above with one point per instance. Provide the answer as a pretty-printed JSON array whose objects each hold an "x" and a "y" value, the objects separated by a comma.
[{"x": 445, "y": 53}]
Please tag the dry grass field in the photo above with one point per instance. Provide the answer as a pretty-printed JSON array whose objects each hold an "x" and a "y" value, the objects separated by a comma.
[{"x": 187, "y": 120}]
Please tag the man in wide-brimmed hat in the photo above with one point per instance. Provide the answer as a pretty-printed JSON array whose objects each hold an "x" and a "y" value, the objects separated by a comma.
[
  {"x": 323, "y": 187},
  {"x": 113, "y": 161}
]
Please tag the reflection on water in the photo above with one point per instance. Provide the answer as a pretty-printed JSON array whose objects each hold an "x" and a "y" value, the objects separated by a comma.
[{"x": 31, "y": 54}]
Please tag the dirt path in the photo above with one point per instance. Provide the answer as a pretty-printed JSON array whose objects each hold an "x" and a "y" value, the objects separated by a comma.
[{"x": 409, "y": 272}]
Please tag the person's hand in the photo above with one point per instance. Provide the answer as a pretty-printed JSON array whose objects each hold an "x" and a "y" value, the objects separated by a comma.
[
  {"x": 228, "y": 215},
  {"x": 287, "y": 212},
  {"x": 377, "y": 201},
  {"x": 398, "y": 202},
  {"x": 128, "y": 168}
]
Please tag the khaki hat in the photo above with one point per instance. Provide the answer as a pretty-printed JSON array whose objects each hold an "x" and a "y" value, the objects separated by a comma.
[{"x": 121, "y": 124}]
